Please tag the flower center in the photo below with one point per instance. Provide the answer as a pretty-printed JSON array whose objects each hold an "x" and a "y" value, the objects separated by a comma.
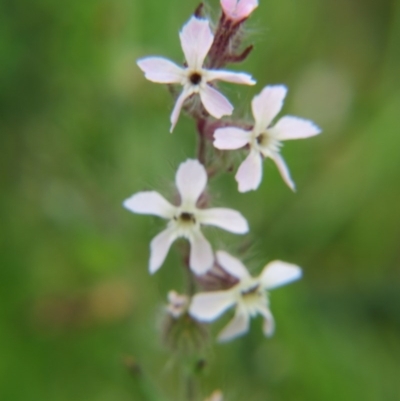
[
  {"x": 264, "y": 140},
  {"x": 187, "y": 218},
  {"x": 266, "y": 143},
  {"x": 253, "y": 297},
  {"x": 250, "y": 291},
  {"x": 195, "y": 78}
]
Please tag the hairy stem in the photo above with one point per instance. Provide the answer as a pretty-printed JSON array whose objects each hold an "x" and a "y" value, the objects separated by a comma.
[
  {"x": 191, "y": 283},
  {"x": 201, "y": 150},
  {"x": 190, "y": 388},
  {"x": 201, "y": 144}
]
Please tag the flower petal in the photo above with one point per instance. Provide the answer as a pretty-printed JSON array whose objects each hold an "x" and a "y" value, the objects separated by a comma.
[
  {"x": 214, "y": 102},
  {"x": 232, "y": 265},
  {"x": 208, "y": 306},
  {"x": 229, "y": 6},
  {"x": 269, "y": 322},
  {"x": 150, "y": 202},
  {"x": 159, "y": 248},
  {"x": 196, "y": 40},
  {"x": 191, "y": 180},
  {"x": 231, "y": 138},
  {"x": 178, "y": 106},
  {"x": 278, "y": 273},
  {"x": 267, "y": 105},
  {"x": 201, "y": 254},
  {"x": 236, "y": 327},
  {"x": 283, "y": 169},
  {"x": 294, "y": 128},
  {"x": 230, "y": 76},
  {"x": 161, "y": 70},
  {"x": 227, "y": 219},
  {"x": 250, "y": 171}
]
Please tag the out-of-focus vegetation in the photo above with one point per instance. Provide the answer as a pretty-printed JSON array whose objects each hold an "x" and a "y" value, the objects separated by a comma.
[{"x": 81, "y": 129}]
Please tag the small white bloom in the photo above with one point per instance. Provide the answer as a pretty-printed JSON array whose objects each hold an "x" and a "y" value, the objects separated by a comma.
[
  {"x": 185, "y": 220},
  {"x": 238, "y": 10},
  {"x": 215, "y": 396},
  {"x": 263, "y": 140},
  {"x": 249, "y": 296},
  {"x": 196, "y": 40},
  {"x": 177, "y": 304}
]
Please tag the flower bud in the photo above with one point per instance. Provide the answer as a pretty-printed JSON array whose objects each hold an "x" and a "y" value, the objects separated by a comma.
[
  {"x": 215, "y": 396},
  {"x": 177, "y": 305},
  {"x": 238, "y": 10},
  {"x": 181, "y": 332},
  {"x": 216, "y": 279}
]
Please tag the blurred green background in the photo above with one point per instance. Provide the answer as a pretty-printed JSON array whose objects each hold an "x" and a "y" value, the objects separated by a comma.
[{"x": 81, "y": 130}]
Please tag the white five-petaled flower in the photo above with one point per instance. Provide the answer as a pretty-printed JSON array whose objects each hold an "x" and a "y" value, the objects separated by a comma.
[
  {"x": 196, "y": 40},
  {"x": 238, "y": 10},
  {"x": 185, "y": 220},
  {"x": 249, "y": 296},
  {"x": 264, "y": 140}
]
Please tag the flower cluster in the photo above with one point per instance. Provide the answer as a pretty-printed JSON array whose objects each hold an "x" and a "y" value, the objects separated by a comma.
[{"x": 225, "y": 281}]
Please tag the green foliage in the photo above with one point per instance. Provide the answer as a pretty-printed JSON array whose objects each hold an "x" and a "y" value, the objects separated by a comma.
[{"x": 81, "y": 130}]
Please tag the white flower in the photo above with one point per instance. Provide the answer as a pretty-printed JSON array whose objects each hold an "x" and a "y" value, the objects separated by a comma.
[
  {"x": 185, "y": 220},
  {"x": 177, "y": 304},
  {"x": 263, "y": 140},
  {"x": 196, "y": 40},
  {"x": 249, "y": 296},
  {"x": 238, "y": 10},
  {"x": 215, "y": 396}
]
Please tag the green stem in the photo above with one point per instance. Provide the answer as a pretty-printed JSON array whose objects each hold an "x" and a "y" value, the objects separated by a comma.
[
  {"x": 201, "y": 149},
  {"x": 190, "y": 388},
  {"x": 191, "y": 283},
  {"x": 143, "y": 387}
]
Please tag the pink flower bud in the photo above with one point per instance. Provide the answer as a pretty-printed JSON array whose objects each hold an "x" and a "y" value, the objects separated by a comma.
[{"x": 238, "y": 10}]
